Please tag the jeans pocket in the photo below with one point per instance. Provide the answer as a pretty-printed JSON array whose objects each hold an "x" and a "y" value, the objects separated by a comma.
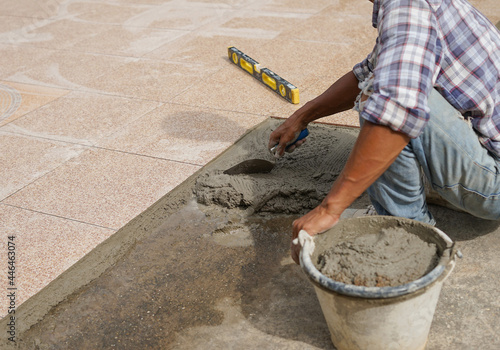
[{"x": 485, "y": 208}]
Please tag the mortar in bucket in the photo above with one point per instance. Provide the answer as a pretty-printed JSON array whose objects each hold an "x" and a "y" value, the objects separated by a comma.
[{"x": 374, "y": 317}]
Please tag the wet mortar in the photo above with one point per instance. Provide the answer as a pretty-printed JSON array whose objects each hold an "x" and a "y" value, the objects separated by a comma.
[
  {"x": 297, "y": 183},
  {"x": 388, "y": 258}
]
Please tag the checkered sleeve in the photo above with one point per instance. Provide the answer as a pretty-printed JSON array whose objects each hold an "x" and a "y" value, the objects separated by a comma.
[
  {"x": 405, "y": 67},
  {"x": 364, "y": 68}
]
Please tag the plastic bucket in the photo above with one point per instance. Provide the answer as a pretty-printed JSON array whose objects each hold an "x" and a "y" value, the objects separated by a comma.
[{"x": 384, "y": 318}]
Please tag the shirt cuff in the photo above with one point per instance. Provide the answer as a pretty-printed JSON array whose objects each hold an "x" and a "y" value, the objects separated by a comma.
[
  {"x": 384, "y": 111},
  {"x": 361, "y": 70}
]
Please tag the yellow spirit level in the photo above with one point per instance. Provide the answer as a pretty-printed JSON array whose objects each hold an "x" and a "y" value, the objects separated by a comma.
[{"x": 272, "y": 80}]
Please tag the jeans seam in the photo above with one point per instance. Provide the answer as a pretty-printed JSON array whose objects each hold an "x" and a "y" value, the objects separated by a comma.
[{"x": 494, "y": 196}]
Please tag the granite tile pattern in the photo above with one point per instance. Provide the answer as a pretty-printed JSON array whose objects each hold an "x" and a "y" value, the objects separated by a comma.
[
  {"x": 24, "y": 159},
  {"x": 173, "y": 132},
  {"x": 80, "y": 117},
  {"x": 122, "y": 101},
  {"x": 30, "y": 98},
  {"x": 46, "y": 246},
  {"x": 102, "y": 187}
]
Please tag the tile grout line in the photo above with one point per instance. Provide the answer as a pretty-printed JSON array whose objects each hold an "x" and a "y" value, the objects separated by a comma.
[
  {"x": 41, "y": 106},
  {"x": 92, "y": 146},
  {"x": 59, "y": 216},
  {"x": 148, "y": 156},
  {"x": 88, "y": 148}
]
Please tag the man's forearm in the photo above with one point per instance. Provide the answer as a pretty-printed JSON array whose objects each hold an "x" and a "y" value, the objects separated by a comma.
[{"x": 374, "y": 151}]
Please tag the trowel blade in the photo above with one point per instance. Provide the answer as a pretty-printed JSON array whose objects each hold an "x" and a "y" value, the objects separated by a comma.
[{"x": 251, "y": 166}]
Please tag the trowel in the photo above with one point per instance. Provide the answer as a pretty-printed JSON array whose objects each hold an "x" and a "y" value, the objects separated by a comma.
[{"x": 260, "y": 166}]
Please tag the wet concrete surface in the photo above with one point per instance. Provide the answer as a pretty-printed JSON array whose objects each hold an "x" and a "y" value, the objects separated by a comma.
[
  {"x": 213, "y": 278},
  {"x": 184, "y": 276}
]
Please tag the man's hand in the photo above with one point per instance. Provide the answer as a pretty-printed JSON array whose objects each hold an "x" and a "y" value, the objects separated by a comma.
[
  {"x": 316, "y": 221},
  {"x": 285, "y": 134}
]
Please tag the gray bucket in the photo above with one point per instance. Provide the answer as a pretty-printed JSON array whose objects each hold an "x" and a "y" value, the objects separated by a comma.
[{"x": 385, "y": 318}]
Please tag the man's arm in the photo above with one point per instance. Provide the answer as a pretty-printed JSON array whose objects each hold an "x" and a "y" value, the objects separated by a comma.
[
  {"x": 337, "y": 98},
  {"x": 376, "y": 148}
]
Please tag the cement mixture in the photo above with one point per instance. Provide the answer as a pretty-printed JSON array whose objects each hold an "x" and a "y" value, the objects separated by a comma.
[
  {"x": 391, "y": 257},
  {"x": 297, "y": 183}
]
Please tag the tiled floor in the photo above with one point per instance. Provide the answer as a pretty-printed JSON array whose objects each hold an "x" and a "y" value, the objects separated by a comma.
[{"x": 106, "y": 106}]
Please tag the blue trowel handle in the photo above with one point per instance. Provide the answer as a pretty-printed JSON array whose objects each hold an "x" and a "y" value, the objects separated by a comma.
[{"x": 303, "y": 134}]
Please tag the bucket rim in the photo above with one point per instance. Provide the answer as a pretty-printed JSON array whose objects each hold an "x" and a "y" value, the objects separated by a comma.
[{"x": 447, "y": 258}]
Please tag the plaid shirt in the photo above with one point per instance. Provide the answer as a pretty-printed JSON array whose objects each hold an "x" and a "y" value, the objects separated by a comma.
[{"x": 445, "y": 44}]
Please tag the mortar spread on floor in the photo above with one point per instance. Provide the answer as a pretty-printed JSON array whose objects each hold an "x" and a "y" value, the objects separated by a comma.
[{"x": 298, "y": 182}]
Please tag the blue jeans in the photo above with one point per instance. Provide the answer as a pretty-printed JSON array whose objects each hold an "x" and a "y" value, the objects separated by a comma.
[{"x": 448, "y": 153}]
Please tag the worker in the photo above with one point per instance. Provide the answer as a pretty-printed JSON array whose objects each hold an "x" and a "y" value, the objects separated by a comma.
[{"x": 428, "y": 97}]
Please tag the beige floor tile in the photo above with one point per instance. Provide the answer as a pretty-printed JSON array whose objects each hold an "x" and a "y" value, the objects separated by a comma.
[
  {"x": 289, "y": 59},
  {"x": 102, "y": 187},
  {"x": 273, "y": 21},
  {"x": 45, "y": 246},
  {"x": 30, "y": 98},
  {"x": 13, "y": 23},
  {"x": 284, "y": 110},
  {"x": 233, "y": 89},
  {"x": 295, "y": 61},
  {"x": 104, "y": 12},
  {"x": 80, "y": 117},
  {"x": 67, "y": 69},
  {"x": 211, "y": 50},
  {"x": 10, "y": 101},
  {"x": 127, "y": 41},
  {"x": 342, "y": 62},
  {"x": 187, "y": 134},
  {"x": 221, "y": 3},
  {"x": 345, "y": 31},
  {"x": 294, "y": 6},
  {"x": 302, "y": 62},
  {"x": 341, "y": 8},
  {"x": 347, "y": 118},
  {"x": 252, "y": 24},
  {"x": 17, "y": 59},
  {"x": 143, "y": 2},
  {"x": 348, "y": 38},
  {"x": 180, "y": 15},
  {"x": 29, "y": 8},
  {"x": 24, "y": 159},
  {"x": 152, "y": 79},
  {"x": 54, "y": 33}
]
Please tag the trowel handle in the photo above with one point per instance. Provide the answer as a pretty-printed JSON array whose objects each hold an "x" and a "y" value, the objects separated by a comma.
[{"x": 303, "y": 134}]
